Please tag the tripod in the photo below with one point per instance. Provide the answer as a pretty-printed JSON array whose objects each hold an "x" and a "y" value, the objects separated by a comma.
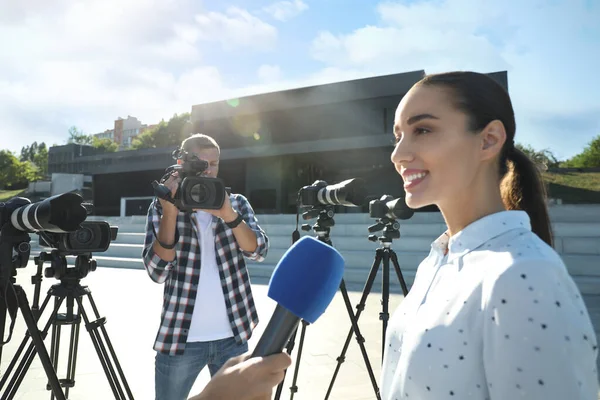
[
  {"x": 382, "y": 255},
  {"x": 322, "y": 228},
  {"x": 68, "y": 289}
]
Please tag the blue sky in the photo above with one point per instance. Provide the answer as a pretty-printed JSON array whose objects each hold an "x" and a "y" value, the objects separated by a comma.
[{"x": 87, "y": 63}]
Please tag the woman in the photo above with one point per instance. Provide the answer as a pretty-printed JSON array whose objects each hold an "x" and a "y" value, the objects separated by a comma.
[{"x": 493, "y": 312}]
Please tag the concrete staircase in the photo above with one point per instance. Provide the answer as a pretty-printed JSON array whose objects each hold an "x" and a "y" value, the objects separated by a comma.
[{"x": 576, "y": 228}]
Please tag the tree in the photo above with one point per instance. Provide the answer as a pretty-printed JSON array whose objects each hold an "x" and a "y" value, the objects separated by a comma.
[
  {"x": 145, "y": 140},
  {"x": 41, "y": 160},
  {"x": 14, "y": 173},
  {"x": 38, "y": 156},
  {"x": 543, "y": 157},
  {"x": 589, "y": 158},
  {"x": 106, "y": 145},
  {"x": 165, "y": 134},
  {"x": 78, "y": 137}
]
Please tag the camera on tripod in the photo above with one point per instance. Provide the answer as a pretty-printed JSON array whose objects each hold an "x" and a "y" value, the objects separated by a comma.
[
  {"x": 350, "y": 193},
  {"x": 195, "y": 191},
  {"x": 388, "y": 207},
  {"x": 387, "y": 210},
  {"x": 59, "y": 222},
  {"x": 91, "y": 237}
]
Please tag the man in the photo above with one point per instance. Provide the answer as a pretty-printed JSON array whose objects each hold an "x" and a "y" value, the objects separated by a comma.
[{"x": 208, "y": 310}]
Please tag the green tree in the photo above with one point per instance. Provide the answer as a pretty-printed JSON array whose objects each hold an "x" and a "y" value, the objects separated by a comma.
[
  {"x": 38, "y": 155},
  {"x": 107, "y": 145},
  {"x": 165, "y": 134},
  {"x": 41, "y": 160},
  {"x": 77, "y": 136},
  {"x": 589, "y": 158},
  {"x": 15, "y": 173},
  {"x": 145, "y": 140},
  {"x": 543, "y": 157}
]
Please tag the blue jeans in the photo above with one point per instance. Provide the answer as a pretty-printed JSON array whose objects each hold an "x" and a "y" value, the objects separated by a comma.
[{"x": 175, "y": 375}]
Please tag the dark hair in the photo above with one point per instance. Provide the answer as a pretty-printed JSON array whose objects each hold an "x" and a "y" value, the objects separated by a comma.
[{"x": 484, "y": 100}]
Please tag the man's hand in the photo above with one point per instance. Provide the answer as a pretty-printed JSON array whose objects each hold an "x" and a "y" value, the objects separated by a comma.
[
  {"x": 226, "y": 212},
  {"x": 243, "y": 378},
  {"x": 172, "y": 183}
]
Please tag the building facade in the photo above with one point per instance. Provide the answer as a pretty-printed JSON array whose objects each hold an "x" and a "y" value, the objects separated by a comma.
[
  {"x": 273, "y": 144},
  {"x": 124, "y": 131}
]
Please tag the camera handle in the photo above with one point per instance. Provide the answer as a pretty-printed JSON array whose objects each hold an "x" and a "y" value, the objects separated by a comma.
[{"x": 163, "y": 192}]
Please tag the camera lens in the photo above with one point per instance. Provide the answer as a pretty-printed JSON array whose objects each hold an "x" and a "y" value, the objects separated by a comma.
[
  {"x": 84, "y": 235},
  {"x": 200, "y": 193}
]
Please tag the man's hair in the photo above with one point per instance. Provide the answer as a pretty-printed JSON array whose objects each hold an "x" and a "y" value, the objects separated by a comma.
[{"x": 199, "y": 141}]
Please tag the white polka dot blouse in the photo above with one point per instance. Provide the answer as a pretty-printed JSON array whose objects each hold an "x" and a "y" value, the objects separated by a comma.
[{"x": 492, "y": 314}]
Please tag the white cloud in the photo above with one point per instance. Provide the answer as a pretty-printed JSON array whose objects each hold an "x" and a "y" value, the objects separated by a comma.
[
  {"x": 236, "y": 28},
  {"x": 269, "y": 73},
  {"x": 286, "y": 10},
  {"x": 549, "y": 58},
  {"x": 88, "y": 63}
]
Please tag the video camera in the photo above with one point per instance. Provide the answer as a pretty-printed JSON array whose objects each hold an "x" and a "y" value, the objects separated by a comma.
[
  {"x": 388, "y": 207},
  {"x": 195, "y": 191},
  {"x": 59, "y": 223}
]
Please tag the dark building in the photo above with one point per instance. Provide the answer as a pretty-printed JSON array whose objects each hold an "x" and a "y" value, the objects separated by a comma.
[{"x": 273, "y": 144}]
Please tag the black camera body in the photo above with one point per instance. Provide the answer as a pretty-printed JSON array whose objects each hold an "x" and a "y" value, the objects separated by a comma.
[
  {"x": 91, "y": 237},
  {"x": 350, "y": 193},
  {"x": 195, "y": 191},
  {"x": 388, "y": 207}
]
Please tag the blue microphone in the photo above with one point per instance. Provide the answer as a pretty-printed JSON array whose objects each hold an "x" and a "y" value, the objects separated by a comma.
[{"x": 303, "y": 284}]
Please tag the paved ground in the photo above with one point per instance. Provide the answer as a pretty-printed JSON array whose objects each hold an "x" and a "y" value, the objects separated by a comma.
[{"x": 131, "y": 302}]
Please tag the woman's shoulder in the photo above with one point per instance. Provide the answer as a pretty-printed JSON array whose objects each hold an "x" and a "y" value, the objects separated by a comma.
[{"x": 522, "y": 260}]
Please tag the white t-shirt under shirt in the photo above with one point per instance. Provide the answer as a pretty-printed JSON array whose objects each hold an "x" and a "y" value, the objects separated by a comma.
[
  {"x": 492, "y": 314},
  {"x": 209, "y": 319}
]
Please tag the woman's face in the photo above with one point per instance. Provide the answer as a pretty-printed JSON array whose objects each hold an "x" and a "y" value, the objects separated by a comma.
[{"x": 436, "y": 156}]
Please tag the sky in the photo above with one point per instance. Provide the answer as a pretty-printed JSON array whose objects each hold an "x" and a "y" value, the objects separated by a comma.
[{"x": 86, "y": 63}]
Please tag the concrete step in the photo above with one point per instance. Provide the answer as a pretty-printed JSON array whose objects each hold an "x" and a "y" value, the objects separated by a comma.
[
  {"x": 578, "y": 245},
  {"x": 575, "y": 213},
  {"x": 357, "y": 254},
  {"x": 576, "y": 229},
  {"x": 118, "y": 250},
  {"x": 361, "y": 243},
  {"x": 359, "y": 264}
]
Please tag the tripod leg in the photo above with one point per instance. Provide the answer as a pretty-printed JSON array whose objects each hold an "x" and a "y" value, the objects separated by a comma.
[
  {"x": 359, "y": 309},
  {"x": 69, "y": 382},
  {"x": 38, "y": 342},
  {"x": 21, "y": 348},
  {"x": 289, "y": 348},
  {"x": 394, "y": 259},
  {"x": 55, "y": 343},
  {"x": 294, "y": 387},
  {"x": 30, "y": 353},
  {"x": 97, "y": 339},
  {"x": 384, "y": 316},
  {"x": 359, "y": 338}
]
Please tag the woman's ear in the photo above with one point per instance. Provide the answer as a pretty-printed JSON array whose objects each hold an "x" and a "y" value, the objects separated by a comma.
[{"x": 493, "y": 137}]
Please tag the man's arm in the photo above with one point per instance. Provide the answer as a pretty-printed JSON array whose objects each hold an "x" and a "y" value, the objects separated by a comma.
[
  {"x": 159, "y": 261},
  {"x": 259, "y": 252},
  {"x": 244, "y": 236},
  {"x": 250, "y": 237}
]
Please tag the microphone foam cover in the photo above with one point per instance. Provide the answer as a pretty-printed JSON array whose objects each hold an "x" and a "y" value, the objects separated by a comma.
[{"x": 306, "y": 278}]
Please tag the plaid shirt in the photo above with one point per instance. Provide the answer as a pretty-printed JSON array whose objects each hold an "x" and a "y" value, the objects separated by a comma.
[{"x": 182, "y": 274}]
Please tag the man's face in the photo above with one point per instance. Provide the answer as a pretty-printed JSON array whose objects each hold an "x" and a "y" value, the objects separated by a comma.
[{"x": 210, "y": 155}]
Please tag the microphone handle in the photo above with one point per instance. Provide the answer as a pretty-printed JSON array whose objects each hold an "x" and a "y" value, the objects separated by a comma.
[{"x": 277, "y": 333}]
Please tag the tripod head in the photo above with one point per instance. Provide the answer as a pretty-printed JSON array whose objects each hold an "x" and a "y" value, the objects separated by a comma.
[
  {"x": 387, "y": 210},
  {"x": 325, "y": 221},
  {"x": 391, "y": 231},
  {"x": 58, "y": 269}
]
